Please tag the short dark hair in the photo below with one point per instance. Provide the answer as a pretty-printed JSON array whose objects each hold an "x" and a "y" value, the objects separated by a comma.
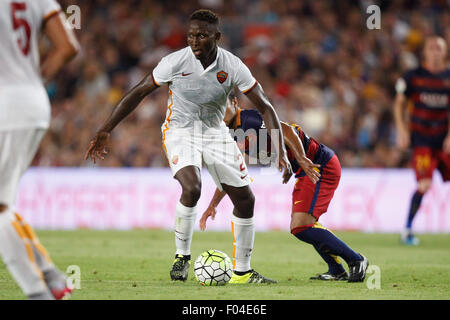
[{"x": 205, "y": 15}]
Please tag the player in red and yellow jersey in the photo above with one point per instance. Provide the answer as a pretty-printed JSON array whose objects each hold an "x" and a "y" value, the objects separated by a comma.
[
  {"x": 426, "y": 128},
  {"x": 318, "y": 172}
]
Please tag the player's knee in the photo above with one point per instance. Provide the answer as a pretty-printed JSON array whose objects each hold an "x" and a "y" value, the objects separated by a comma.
[
  {"x": 323, "y": 247},
  {"x": 300, "y": 220},
  {"x": 424, "y": 185},
  {"x": 298, "y": 229},
  {"x": 245, "y": 207},
  {"x": 250, "y": 200},
  {"x": 192, "y": 192},
  {"x": 249, "y": 205}
]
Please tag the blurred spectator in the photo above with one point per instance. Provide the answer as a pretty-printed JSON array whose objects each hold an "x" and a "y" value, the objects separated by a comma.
[{"x": 319, "y": 64}]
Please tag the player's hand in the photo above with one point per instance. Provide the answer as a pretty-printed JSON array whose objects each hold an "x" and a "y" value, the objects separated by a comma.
[
  {"x": 311, "y": 169},
  {"x": 403, "y": 139},
  {"x": 210, "y": 212},
  {"x": 97, "y": 148},
  {"x": 447, "y": 144},
  {"x": 286, "y": 165}
]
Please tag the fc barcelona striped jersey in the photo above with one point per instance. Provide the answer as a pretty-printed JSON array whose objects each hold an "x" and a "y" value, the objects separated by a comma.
[
  {"x": 428, "y": 95},
  {"x": 318, "y": 153}
]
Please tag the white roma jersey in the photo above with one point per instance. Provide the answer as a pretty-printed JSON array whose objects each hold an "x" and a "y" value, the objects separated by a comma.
[
  {"x": 199, "y": 94},
  {"x": 24, "y": 102}
]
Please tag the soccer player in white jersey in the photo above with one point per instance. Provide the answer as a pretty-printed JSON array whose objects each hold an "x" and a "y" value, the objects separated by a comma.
[
  {"x": 200, "y": 77},
  {"x": 24, "y": 118}
]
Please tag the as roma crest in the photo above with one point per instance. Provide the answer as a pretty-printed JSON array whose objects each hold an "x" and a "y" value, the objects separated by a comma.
[
  {"x": 175, "y": 160},
  {"x": 222, "y": 76}
]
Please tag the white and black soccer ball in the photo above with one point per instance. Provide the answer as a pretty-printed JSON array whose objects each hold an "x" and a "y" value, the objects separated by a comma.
[{"x": 213, "y": 268}]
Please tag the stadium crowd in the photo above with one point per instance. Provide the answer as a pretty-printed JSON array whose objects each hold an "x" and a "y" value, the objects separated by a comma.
[{"x": 317, "y": 61}]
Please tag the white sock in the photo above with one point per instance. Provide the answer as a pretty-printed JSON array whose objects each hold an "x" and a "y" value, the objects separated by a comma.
[
  {"x": 184, "y": 228},
  {"x": 18, "y": 257},
  {"x": 53, "y": 277},
  {"x": 244, "y": 238}
]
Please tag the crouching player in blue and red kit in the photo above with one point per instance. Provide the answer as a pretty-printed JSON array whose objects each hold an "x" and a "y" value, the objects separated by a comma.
[
  {"x": 318, "y": 172},
  {"x": 426, "y": 129}
]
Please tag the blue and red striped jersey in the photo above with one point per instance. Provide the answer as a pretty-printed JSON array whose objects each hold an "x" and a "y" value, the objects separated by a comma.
[
  {"x": 429, "y": 105},
  {"x": 251, "y": 121}
]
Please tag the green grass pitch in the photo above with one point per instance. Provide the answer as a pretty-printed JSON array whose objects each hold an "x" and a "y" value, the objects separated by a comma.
[{"x": 135, "y": 265}]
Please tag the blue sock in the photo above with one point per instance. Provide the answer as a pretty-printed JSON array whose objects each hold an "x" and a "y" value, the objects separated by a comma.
[
  {"x": 335, "y": 268},
  {"x": 414, "y": 207},
  {"x": 326, "y": 242}
]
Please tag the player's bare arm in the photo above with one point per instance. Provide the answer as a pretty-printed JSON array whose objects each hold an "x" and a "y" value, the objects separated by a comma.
[
  {"x": 129, "y": 102},
  {"x": 400, "y": 123},
  {"x": 65, "y": 46},
  {"x": 211, "y": 210},
  {"x": 403, "y": 136},
  {"x": 294, "y": 143},
  {"x": 262, "y": 103}
]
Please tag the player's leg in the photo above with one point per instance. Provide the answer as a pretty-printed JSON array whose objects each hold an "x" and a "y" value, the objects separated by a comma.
[
  {"x": 325, "y": 242},
  {"x": 185, "y": 163},
  {"x": 18, "y": 257},
  {"x": 423, "y": 185},
  {"x": 185, "y": 214},
  {"x": 243, "y": 227},
  {"x": 15, "y": 249},
  {"x": 302, "y": 197},
  {"x": 301, "y": 200},
  {"x": 303, "y": 226},
  {"x": 424, "y": 165},
  {"x": 312, "y": 200},
  {"x": 335, "y": 270},
  {"x": 53, "y": 277},
  {"x": 243, "y": 230},
  {"x": 227, "y": 167}
]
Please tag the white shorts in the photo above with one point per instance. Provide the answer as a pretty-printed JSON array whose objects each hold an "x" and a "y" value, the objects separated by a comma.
[
  {"x": 217, "y": 152},
  {"x": 17, "y": 150}
]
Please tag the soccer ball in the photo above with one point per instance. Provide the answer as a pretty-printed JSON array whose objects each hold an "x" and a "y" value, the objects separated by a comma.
[{"x": 213, "y": 268}]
